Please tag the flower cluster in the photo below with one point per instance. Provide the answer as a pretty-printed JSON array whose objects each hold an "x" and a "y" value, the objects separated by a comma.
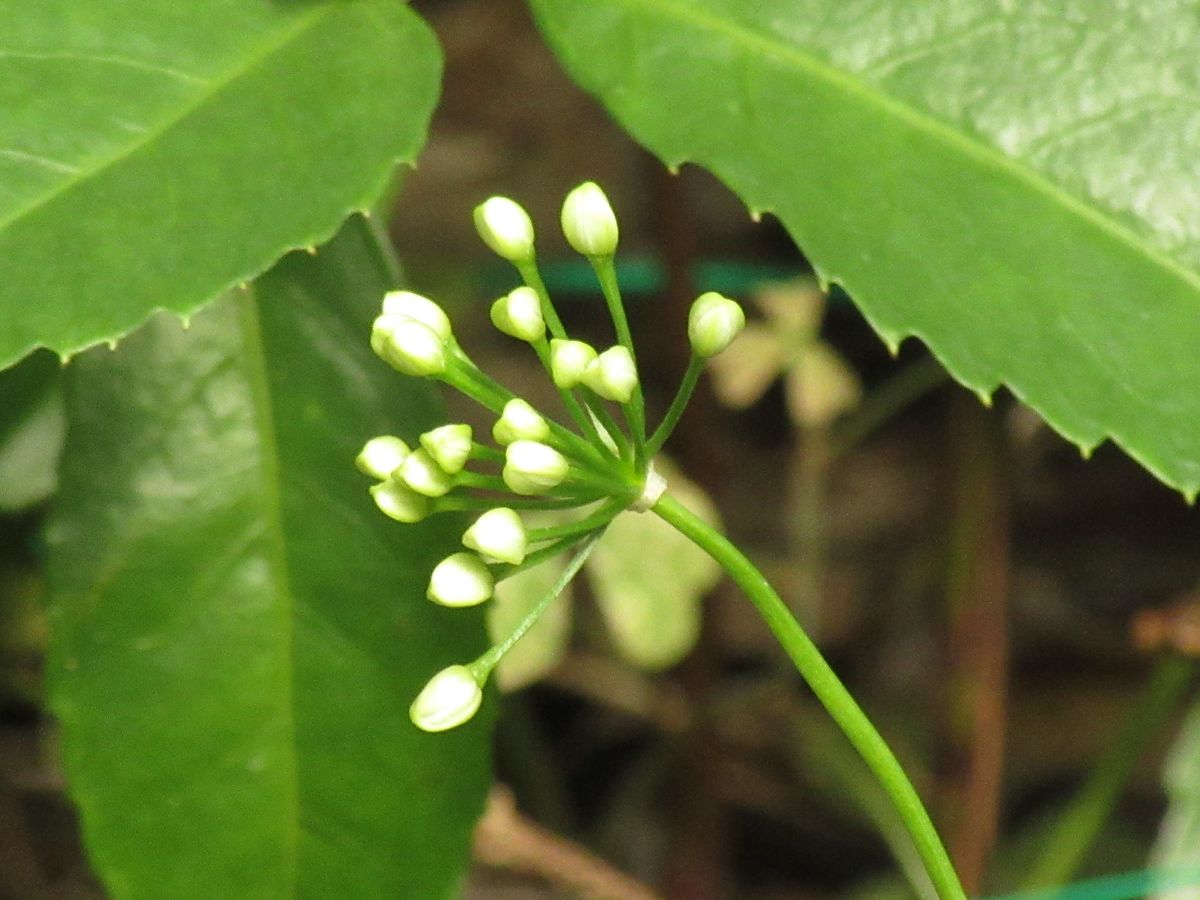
[{"x": 600, "y": 466}]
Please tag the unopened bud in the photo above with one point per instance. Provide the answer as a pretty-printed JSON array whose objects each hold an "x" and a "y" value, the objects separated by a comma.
[
  {"x": 498, "y": 534},
  {"x": 533, "y": 468},
  {"x": 421, "y": 472},
  {"x": 450, "y": 698},
  {"x": 506, "y": 228},
  {"x": 381, "y": 456},
  {"x": 461, "y": 579},
  {"x": 588, "y": 221},
  {"x": 414, "y": 306},
  {"x": 519, "y": 314},
  {"x": 612, "y": 374},
  {"x": 568, "y": 361},
  {"x": 519, "y": 422},
  {"x": 449, "y": 445},
  {"x": 400, "y": 502},
  {"x": 408, "y": 346},
  {"x": 713, "y": 323}
]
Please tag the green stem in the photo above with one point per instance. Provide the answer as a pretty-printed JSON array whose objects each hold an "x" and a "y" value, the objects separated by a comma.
[
  {"x": 609, "y": 424},
  {"x": 533, "y": 278},
  {"x": 600, "y": 517},
  {"x": 1077, "y": 828},
  {"x": 586, "y": 425},
  {"x": 607, "y": 273},
  {"x": 675, "y": 411},
  {"x": 468, "y": 503},
  {"x": 829, "y": 690},
  {"x": 483, "y": 666}
]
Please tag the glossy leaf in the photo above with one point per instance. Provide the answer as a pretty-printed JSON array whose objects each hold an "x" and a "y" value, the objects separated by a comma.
[
  {"x": 32, "y": 425},
  {"x": 1013, "y": 183},
  {"x": 237, "y": 631},
  {"x": 154, "y": 153}
]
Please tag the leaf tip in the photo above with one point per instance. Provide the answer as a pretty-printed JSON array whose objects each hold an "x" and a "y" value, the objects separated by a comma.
[{"x": 311, "y": 250}]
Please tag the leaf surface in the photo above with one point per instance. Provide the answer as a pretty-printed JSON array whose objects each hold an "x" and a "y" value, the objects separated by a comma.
[
  {"x": 237, "y": 631},
  {"x": 1012, "y": 182},
  {"x": 154, "y": 153}
]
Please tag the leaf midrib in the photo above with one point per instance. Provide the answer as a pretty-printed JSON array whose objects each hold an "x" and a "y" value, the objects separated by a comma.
[
  {"x": 984, "y": 154},
  {"x": 270, "y": 470},
  {"x": 213, "y": 88}
]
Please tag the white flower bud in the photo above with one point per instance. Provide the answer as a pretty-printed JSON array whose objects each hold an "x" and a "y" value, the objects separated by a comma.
[
  {"x": 414, "y": 306},
  {"x": 421, "y": 472},
  {"x": 519, "y": 422},
  {"x": 499, "y": 534},
  {"x": 612, "y": 374},
  {"x": 450, "y": 698},
  {"x": 381, "y": 456},
  {"x": 506, "y": 228},
  {"x": 400, "y": 502},
  {"x": 519, "y": 314},
  {"x": 449, "y": 445},
  {"x": 588, "y": 221},
  {"x": 461, "y": 579},
  {"x": 533, "y": 468},
  {"x": 408, "y": 346},
  {"x": 568, "y": 361},
  {"x": 713, "y": 322}
]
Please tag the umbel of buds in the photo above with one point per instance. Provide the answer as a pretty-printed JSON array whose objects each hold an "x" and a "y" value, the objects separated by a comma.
[{"x": 596, "y": 465}]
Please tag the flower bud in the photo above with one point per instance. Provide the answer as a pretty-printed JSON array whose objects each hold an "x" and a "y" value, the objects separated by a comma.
[
  {"x": 400, "y": 502},
  {"x": 519, "y": 315},
  {"x": 713, "y": 323},
  {"x": 499, "y": 534},
  {"x": 450, "y": 698},
  {"x": 421, "y": 472},
  {"x": 414, "y": 306},
  {"x": 568, "y": 361},
  {"x": 519, "y": 422},
  {"x": 461, "y": 579},
  {"x": 408, "y": 346},
  {"x": 449, "y": 445},
  {"x": 381, "y": 456},
  {"x": 612, "y": 374},
  {"x": 533, "y": 468},
  {"x": 588, "y": 221},
  {"x": 506, "y": 228}
]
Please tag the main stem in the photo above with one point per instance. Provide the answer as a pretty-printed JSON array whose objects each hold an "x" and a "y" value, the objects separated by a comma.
[{"x": 829, "y": 690}]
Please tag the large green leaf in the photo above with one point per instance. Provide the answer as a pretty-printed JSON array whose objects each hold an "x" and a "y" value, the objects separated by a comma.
[
  {"x": 1013, "y": 182},
  {"x": 154, "y": 153},
  {"x": 237, "y": 631}
]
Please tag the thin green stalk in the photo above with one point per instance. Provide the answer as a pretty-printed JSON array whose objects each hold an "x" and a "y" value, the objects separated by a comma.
[
  {"x": 533, "y": 278},
  {"x": 465, "y": 377},
  {"x": 600, "y": 517},
  {"x": 472, "y": 503},
  {"x": 484, "y": 453},
  {"x": 1076, "y": 829},
  {"x": 828, "y": 689},
  {"x": 675, "y": 411},
  {"x": 596, "y": 405},
  {"x": 606, "y": 272},
  {"x": 586, "y": 425},
  {"x": 483, "y": 666}
]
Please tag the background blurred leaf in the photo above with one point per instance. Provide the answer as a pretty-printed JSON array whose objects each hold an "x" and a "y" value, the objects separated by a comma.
[
  {"x": 1179, "y": 838},
  {"x": 154, "y": 153},
  {"x": 236, "y": 631},
  {"x": 1014, "y": 186},
  {"x": 649, "y": 579},
  {"x": 31, "y": 431}
]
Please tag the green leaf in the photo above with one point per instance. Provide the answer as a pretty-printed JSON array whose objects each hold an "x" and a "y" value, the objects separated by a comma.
[
  {"x": 32, "y": 426},
  {"x": 155, "y": 153},
  {"x": 237, "y": 631},
  {"x": 1016, "y": 187},
  {"x": 653, "y": 611}
]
